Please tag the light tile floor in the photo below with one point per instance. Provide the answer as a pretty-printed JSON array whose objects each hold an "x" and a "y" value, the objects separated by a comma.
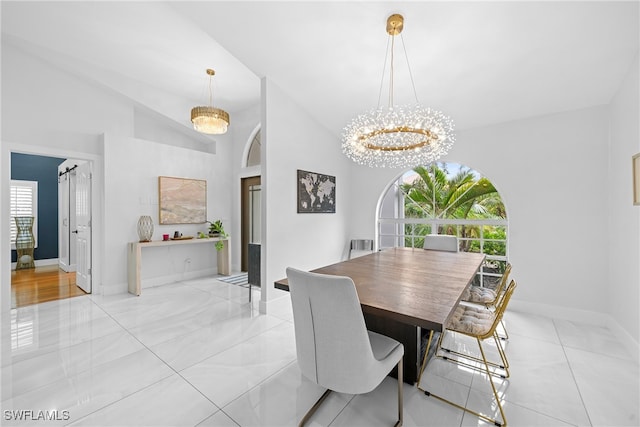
[{"x": 197, "y": 353}]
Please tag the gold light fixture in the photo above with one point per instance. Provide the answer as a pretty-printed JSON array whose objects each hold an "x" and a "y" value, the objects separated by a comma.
[
  {"x": 398, "y": 136},
  {"x": 209, "y": 119}
]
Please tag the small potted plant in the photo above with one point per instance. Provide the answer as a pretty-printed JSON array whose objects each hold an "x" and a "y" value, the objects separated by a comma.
[{"x": 217, "y": 230}]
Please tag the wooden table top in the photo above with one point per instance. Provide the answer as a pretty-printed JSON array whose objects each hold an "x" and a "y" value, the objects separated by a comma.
[{"x": 410, "y": 285}]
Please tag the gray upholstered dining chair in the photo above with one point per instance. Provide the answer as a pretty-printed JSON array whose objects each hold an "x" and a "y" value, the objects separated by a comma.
[
  {"x": 441, "y": 242},
  {"x": 333, "y": 346}
]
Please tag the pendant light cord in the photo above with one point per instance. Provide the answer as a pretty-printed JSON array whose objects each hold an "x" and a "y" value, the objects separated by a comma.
[
  {"x": 413, "y": 85},
  {"x": 392, "y": 71},
  {"x": 384, "y": 67},
  {"x": 210, "y": 92}
]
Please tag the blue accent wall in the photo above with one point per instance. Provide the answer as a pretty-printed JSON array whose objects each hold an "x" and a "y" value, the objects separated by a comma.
[{"x": 44, "y": 170}]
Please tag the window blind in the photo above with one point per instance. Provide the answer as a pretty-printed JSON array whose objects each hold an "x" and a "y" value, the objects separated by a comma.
[{"x": 23, "y": 201}]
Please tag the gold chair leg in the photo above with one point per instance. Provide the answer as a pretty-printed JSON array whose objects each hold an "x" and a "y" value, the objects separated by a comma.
[
  {"x": 400, "y": 398},
  {"x": 493, "y": 387},
  {"x": 314, "y": 408},
  {"x": 398, "y": 423},
  {"x": 503, "y": 357},
  {"x": 506, "y": 334},
  {"x": 426, "y": 353}
]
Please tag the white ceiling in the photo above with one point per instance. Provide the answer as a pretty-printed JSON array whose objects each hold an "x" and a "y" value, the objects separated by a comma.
[{"x": 479, "y": 62}]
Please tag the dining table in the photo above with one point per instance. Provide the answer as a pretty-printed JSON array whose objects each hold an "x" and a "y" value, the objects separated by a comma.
[{"x": 406, "y": 293}]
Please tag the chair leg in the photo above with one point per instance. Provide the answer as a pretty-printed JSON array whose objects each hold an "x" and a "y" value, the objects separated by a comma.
[
  {"x": 504, "y": 337},
  {"x": 426, "y": 353},
  {"x": 493, "y": 387},
  {"x": 400, "y": 398},
  {"x": 314, "y": 408},
  {"x": 501, "y": 369}
]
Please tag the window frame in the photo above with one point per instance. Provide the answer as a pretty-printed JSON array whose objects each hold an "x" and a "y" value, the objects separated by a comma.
[{"x": 391, "y": 227}]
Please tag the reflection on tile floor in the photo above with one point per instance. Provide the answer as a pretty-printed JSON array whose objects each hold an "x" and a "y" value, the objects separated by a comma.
[{"x": 197, "y": 353}]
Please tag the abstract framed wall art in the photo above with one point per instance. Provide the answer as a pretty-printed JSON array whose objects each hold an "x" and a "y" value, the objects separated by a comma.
[
  {"x": 316, "y": 192},
  {"x": 182, "y": 200}
]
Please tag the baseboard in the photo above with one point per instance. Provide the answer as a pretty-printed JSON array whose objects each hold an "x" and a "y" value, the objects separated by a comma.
[
  {"x": 43, "y": 262},
  {"x": 558, "y": 312},
  {"x": 582, "y": 316},
  {"x": 39, "y": 262},
  {"x": 122, "y": 288},
  {"x": 172, "y": 278},
  {"x": 632, "y": 346}
]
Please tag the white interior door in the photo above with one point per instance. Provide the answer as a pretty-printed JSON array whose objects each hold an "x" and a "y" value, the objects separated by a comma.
[
  {"x": 83, "y": 227},
  {"x": 67, "y": 215}
]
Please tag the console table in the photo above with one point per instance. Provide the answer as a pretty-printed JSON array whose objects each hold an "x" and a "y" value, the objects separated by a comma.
[{"x": 134, "y": 257}]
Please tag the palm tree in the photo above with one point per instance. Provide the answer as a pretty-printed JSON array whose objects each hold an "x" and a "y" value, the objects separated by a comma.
[{"x": 437, "y": 194}]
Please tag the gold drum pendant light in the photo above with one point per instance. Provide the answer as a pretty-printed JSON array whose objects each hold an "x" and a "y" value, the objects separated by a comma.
[
  {"x": 397, "y": 136},
  {"x": 208, "y": 119}
]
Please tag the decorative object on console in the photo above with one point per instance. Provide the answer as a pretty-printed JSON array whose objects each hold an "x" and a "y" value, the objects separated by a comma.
[
  {"x": 398, "y": 136},
  {"x": 216, "y": 229},
  {"x": 182, "y": 200},
  {"x": 25, "y": 242},
  {"x": 145, "y": 228},
  {"x": 316, "y": 192},
  {"x": 209, "y": 119}
]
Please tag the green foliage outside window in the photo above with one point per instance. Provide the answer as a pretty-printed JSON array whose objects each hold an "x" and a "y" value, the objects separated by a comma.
[{"x": 451, "y": 191}]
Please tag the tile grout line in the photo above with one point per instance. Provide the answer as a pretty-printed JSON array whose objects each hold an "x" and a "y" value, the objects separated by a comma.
[
  {"x": 575, "y": 381},
  {"x": 220, "y": 409}
]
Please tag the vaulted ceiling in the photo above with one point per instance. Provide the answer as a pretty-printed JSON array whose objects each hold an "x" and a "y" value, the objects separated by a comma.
[{"x": 479, "y": 62}]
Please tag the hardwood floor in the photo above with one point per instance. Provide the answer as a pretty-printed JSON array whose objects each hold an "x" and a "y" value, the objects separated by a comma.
[{"x": 41, "y": 284}]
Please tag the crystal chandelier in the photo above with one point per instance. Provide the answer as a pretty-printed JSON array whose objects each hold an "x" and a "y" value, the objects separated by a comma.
[
  {"x": 209, "y": 119},
  {"x": 398, "y": 136}
]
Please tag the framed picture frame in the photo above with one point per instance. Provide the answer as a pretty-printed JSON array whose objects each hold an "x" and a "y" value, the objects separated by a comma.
[
  {"x": 182, "y": 200},
  {"x": 316, "y": 192},
  {"x": 636, "y": 179}
]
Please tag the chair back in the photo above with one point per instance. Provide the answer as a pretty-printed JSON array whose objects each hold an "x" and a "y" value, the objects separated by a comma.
[
  {"x": 441, "y": 242},
  {"x": 332, "y": 342},
  {"x": 503, "y": 281},
  {"x": 501, "y": 308}
]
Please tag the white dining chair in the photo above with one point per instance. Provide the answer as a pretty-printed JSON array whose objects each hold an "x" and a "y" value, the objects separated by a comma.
[
  {"x": 441, "y": 242},
  {"x": 333, "y": 346}
]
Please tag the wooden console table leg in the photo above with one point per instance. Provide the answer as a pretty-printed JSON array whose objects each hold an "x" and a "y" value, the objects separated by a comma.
[
  {"x": 134, "y": 260},
  {"x": 223, "y": 259}
]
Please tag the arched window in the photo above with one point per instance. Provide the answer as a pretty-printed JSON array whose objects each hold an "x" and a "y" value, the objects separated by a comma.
[
  {"x": 447, "y": 198},
  {"x": 253, "y": 157}
]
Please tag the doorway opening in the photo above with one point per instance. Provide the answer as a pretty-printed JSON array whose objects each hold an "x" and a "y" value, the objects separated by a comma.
[
  {"x": 250, "y": 222},
  {"x": 62, "y": 267}
]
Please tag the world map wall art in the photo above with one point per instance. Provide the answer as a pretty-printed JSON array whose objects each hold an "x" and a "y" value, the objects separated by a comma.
[{"x": 316, "y": 192}]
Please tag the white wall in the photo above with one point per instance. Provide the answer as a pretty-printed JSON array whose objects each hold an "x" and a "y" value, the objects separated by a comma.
[
  {"x": 623, "y": 281},
  {"x": 551, "y": 173},
  {"x": 82, "y": 117},
  {"x": 131, "y": 190},
  {"x": 293, "y": 140}
]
